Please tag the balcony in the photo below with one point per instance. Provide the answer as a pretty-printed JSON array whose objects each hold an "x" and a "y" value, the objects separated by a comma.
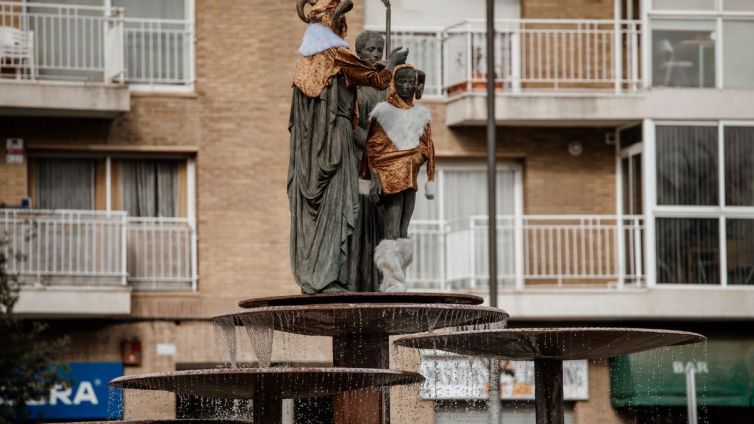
[
  {"x": 534, "y": 251},
  {"x": 564, "y": 267},
  {"x": 88, "y": 262},
  {"x": 66, "y": 60},
  {"x": 546, "y": 70}
]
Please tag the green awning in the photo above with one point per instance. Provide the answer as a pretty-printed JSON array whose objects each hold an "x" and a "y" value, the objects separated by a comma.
[{"x": 724, "y": 375}]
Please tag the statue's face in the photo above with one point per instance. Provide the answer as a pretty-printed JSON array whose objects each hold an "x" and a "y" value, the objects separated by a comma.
[
  {"x": 405, "y": 84},
  {"x": 373, "y": 50}
]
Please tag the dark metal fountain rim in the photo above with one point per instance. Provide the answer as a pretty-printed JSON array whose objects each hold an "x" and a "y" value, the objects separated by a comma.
[
  {"x": 362, "y": 306},
  {"x": 363, "y": 298},
  {"x": 442, "y": 340},
  {"x": 117, "y": 382}
]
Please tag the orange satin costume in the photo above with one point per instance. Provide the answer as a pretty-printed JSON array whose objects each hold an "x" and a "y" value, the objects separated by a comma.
[{"x": 397, "y": 169}]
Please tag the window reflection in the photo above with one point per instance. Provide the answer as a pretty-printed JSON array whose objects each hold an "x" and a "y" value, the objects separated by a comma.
[
  {"x": 683, "y": 53},
  {"x": 688, "y": 251}
]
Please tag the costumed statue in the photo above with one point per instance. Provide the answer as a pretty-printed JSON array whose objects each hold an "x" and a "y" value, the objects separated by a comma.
[
  {"x": 370, "y": 46},
  {"x": 323, "y": 166},
  {"x": 399, "y": 142}
]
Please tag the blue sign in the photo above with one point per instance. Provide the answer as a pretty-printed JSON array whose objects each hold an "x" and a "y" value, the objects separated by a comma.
[{"x": 88, "y": 396}]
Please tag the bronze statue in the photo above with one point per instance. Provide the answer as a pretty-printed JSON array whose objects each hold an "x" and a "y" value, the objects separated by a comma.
[
  {"x": 399, "y": 142},
  {"x": 323, "y": 165},
  {"x": 370, "y": 46}
]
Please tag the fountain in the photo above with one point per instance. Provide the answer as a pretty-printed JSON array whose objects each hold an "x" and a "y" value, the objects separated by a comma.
[
  {"x": 548, "y": 348},
  {"x": 360, "y": 325}
]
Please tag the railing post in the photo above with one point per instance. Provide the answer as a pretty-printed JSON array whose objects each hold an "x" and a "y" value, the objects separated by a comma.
[
  {"x": 124, "y": 249},
  {"x": 518, "y": 228},
  {"x": 439, "y": 64},
  {"x": 469, "y": 61},
  {"x": 472, "y": 252},
  {"x": 638, "y": 247},
  {"x": 617, "y": 48},
  {"x": 113, "y": 46},
  {"x": 634, "y": 56},
  {"x": 516, "y": 57},
  {"x": 194, "y": 256},
  {"x": 620, "y": 239}
]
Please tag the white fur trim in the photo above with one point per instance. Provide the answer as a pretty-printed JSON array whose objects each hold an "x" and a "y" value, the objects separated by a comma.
[
  {"x": 392, "y": 257},
  {"x": 404, "y": 127},
  {"x": 365, "y": 186},
  {"x": 319, "y": 38},
  {"x": 430, "y": 189}
]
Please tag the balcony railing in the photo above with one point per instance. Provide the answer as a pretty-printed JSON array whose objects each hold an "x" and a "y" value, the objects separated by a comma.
[
  {"x": 533, "y": 251},
  {"x": 48, "y": 41},
  {"x": 531, "y": 54},
  {"x": 91, "y": 248}
]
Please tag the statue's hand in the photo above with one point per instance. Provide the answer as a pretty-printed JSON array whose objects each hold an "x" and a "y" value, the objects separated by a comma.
[
  {"x": 380, "y": 65},
  {"x": 359, "y": 136},
  {"x": 397, "y": 57},
  {"x": 376, "y": 191}
]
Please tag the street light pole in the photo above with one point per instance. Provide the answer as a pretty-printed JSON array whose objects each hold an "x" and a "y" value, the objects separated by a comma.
[{"x": 493, "y": 402}]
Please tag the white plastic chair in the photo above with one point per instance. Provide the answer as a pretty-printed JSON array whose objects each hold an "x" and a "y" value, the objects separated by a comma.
[
  {"x": 17, "y": 51},
  {"x": 670, "y": 64}
]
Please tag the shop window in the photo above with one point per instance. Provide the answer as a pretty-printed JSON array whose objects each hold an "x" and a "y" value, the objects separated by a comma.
[{"x": 63, "y": 183}]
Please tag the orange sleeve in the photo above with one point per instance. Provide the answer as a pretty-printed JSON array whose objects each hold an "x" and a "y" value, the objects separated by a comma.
[
  {"x": 430, "y": 154},
  {"x": 360, "y": 73}
]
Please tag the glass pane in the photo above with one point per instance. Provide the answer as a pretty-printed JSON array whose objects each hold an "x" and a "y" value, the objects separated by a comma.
[
  {"x": 739, "y": 166},
  {"x": 687, "y": 166},
  {"x": 683, "y": 53},
  {"x": 625, "y": 170},
  {"x": 738, "y": 60},
  {"x": 740, "y": 233},
  {"x": 64, "y": 184},
  {"x": 157, "y": 9},
  {"x": 637, "y": 205},
  {"x": 688, "y": 251},
  {"x": 738, "y": 5}
]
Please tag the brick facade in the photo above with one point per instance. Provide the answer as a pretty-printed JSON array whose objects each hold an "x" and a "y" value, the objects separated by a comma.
[{"x": 237, "y": 119}]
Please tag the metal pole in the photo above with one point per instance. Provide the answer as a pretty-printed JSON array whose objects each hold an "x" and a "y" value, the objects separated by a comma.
[
  {"x": 493, "y": 402},
  {"x": 691, "y": 394},
  {"x": 388, "y": 35}
]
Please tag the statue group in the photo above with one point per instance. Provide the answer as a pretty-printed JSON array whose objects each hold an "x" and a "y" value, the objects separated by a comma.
[{"x": 358, "y": 142}]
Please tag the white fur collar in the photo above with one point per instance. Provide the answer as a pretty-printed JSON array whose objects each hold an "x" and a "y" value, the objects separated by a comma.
[
  {"x": 404, "y": 127},
  {"x": 319, "y": 38}
]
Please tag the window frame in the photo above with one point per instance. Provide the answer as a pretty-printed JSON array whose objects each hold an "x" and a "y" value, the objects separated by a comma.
[
  {"x": 718, "y": 15},
  {"x": 721, "y": 211}
]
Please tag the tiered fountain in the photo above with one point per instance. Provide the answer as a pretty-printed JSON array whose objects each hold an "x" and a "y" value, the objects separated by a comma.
[{"x": 360, "y": 324}]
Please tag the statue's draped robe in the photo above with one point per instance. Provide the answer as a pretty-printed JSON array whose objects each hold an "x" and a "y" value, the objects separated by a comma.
[
  {"x": 368, "y": 233},
  {"x": 323, "y": 168}
]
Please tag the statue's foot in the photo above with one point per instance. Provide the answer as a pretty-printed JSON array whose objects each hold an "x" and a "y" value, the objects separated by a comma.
[{"x": 395, "y": 288}]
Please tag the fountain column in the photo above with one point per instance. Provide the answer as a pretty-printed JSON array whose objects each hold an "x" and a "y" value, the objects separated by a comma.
[
  {"x": 359, "y": 350},
  {"x": 548, "y": 391}
]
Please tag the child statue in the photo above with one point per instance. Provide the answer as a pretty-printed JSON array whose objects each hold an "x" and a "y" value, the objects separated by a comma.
[
  {"x": 399, "y": 142},
  {"x": 324, "y": 164}
]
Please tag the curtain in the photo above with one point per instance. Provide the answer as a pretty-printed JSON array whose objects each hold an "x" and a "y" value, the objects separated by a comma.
[
  {"x": 150, "y": 188},
  {"x": 688, "y": 251},
  {"x": 687, "y": 166},
  {"x": 154, "y": 9},
  {"x": 64, "y": 184}
]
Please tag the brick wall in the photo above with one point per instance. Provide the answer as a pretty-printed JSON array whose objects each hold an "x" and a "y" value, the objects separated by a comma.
[
  {"x": 12, "y": 178},
  {"x": 567, "y": 9}
]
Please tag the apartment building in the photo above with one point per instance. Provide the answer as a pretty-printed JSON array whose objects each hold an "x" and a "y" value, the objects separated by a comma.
[{"x": 149, "y": 140}]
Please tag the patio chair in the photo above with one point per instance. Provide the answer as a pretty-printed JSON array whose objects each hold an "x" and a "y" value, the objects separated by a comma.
[
  {"x": 17, "y": 51},
  {"x": 672, "y": 66}
]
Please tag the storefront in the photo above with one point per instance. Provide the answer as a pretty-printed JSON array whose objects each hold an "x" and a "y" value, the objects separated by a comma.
[
  {"x": 654, "y": 384},
  {"x": 459, "y": 386}
]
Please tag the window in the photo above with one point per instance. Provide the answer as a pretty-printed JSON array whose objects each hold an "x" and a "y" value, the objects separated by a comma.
[
  {"x": 705, "y": 227},
  {"x": 63, "y": 183},
  {"x": 687, "y": 35},
  {"x": 450, "y": 232},
  {"x": 150, "y": 188}
]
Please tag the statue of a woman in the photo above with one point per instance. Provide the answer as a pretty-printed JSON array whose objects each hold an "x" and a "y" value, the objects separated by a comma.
[
  {"x": 323, "y": 166},
  {"x": 398, "y": 144}
]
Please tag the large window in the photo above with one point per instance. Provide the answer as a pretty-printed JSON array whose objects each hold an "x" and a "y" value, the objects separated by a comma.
[
  {"x": 705, "y": 204},
  {"x": 63, "y": 183},
  {"x": 689, "y": 35},
  {"x": 150, "y": 188}
]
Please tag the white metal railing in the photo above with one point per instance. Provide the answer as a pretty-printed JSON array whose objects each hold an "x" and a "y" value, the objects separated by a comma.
[
  {"x": 532, "y": 54},
  {"x": 557, "y": 250},
  {"x": 159, "y": 51},
  {"x": 61, "y": 42},
  {"x": 161, "y": 254},
  {"x": 99, "y": 248}
]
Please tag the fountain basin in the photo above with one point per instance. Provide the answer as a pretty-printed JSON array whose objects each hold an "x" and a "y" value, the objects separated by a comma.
[
  {"x": 551, "y": 343},
  {"x": 348, "y": 318},
  {"x": 369, "y": 297},
  {"x": 271, "y": 383}
]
